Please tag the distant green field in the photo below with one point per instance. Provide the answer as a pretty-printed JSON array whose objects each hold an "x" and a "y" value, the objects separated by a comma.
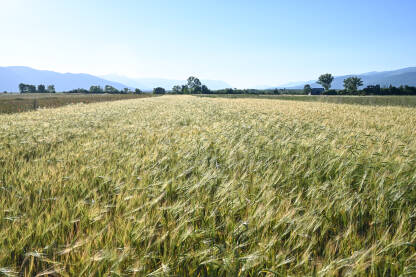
[
  {"x": 13, "y": 102},
  {"x": 404, "y": 101}
]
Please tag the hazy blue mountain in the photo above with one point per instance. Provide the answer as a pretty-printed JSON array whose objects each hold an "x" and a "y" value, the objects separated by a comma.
[
  {"x": 12, "y": 76},
  {"x": 128, "y": 81},
  {"x": 404, "y": 76},
  {"x": 150, "y": 83}
]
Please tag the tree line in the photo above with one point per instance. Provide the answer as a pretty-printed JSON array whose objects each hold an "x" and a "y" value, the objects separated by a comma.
[
  {"x": 194, "y": 86},
  {"x": 107, "y": 89},
  {"x": 351, "y": 87},
  {"x": 25, "y": 88},
  {"x": 352, "y": 84}
]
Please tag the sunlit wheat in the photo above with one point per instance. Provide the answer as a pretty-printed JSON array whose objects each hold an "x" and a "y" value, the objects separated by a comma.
[{"x": 181, "y": 185}]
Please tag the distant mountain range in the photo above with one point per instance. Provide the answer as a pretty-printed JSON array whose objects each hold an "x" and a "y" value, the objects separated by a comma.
[
  {"x": 12, "y": 76},
  {"x": 404, "y": 76},
  {"x": 150, "y": 83}
]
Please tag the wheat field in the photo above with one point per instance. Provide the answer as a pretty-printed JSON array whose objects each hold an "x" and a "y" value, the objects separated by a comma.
[{"x": 188, "y": 186}]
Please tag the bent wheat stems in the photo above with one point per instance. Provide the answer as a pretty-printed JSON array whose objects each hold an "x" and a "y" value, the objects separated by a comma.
[{"x": 181, "y": 185}]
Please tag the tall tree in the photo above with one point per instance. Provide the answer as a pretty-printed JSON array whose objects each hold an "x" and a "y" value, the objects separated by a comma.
[
  {"x": 307, "y": 89},
  {"x": 41, "y": 89},
  {"x": 22, "y": 88},
  {"x": 197, "y": 90},
  {"x": 110, "y": 89},
  {"x": 51, "y": 89},
  {"x": 325, "y": 80},
  {"x": 96, "y": 89},
  {"x": 159, "y": 90},
  {"x": 351, "y": 84},
  {"x": 205, "y": 89},
  {"x": 184, "y": 89},
  {"x": 32, "y": 88},
  {"x": 25, "y": 88},
  {"x": 177, "y": 89},
  {"x": 194, "y": 84}
]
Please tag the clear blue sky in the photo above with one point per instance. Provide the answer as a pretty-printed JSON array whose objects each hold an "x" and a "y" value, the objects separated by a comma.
[{"x": 245, "y": 43}]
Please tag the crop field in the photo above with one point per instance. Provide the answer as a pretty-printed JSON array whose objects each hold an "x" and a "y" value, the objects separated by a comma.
[
  {"x": 388, "y": 100},
  {"x": 192, "y": 186},
  {"x": 13, "y": 102}
]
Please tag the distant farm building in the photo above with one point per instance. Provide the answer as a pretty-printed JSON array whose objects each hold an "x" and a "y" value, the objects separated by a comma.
[{"x": 316, "y": 91}]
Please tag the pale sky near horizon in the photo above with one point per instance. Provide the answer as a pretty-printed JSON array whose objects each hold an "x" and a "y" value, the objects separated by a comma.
[{"x": 245, "y": 43}]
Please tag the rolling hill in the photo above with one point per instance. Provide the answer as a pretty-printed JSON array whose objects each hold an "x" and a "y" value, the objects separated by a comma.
[
  {"x": 12, "y": 76},
  {"x": 404, "y": 76}
]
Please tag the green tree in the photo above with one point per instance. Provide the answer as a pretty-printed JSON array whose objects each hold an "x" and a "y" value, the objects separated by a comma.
[
  {"x": 96, "y": 89},
  {"x": 137, "y": 91},
  {"x": 352, "y": 84},
  {"x": 25, "y": 88},
  {"x": 110, "y": 89},
  {"x": 159, "y": 90},
  {"x": 41, "y": 89},
  {"x": 185, "y": 89},
  {"x": 197, "y": 90},
  {"x": 205, "y": 90},
  {"x": 51, "y": 89},
  {"x": 276, "y": 91},
  {"x": 307, "y": 89},
  {"x": 194, "y": 84},
  {"x": 325, "y": 80},
  {"x": 22, "y": 88},
  {"x": 32, "y": 88},
  {"x": 177, "y": 89}
]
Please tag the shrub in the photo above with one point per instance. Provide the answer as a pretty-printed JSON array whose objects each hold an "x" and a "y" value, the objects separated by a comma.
[
  {"x": 329, "y": 92},
  {"x": 159, "y": 90}
]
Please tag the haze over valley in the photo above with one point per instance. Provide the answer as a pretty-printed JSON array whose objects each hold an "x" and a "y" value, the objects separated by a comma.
[{"x": 12, "y": 76}]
